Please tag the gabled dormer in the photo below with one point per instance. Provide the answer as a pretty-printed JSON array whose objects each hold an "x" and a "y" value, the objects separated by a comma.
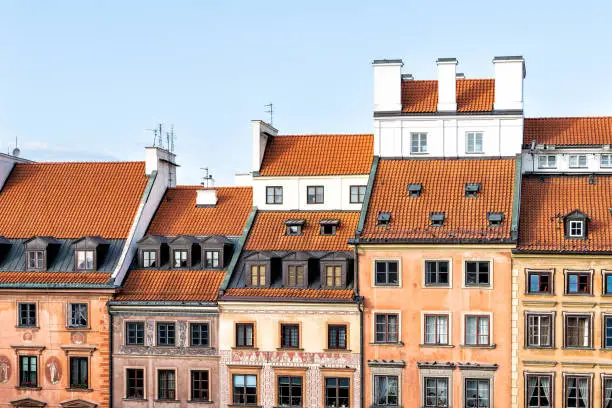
[
  {"x": 152, "y": 251},
  {"x": 334, "y": 270},
  {"x": 576, "y": 225},
  {"x": 295, "y": 270},
  {"x": 184, "y": 252},
  {"x": 89, "y": 252},
  {"x": 215, "y": 251},
  {"x": 329, "y": 226},
  {"x": 257, "y": 270},
  {"x": 40, "y": 252}
]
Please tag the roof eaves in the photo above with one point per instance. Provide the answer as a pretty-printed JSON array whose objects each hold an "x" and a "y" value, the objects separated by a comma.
[{"x": 287, "y": 299}]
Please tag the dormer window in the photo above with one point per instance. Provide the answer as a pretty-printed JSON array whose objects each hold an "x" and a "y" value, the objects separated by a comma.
[
  {"x": 576, "y": 229},
  {"x": 334, "y": 267},
  {"x": 180, "y": 258},
  {"x": 257, "y": 270},
  {"x": 472, "y": 189},
  {"x": 85, "y": 260},
  {"x": 89, "y": 252},
  {"x": 211, "y": 259},
  {"x": 257, "y": 276},
  {"x": 214, "y": 251},
  {"x": 294, "y": 227},
  {"x": 495, "y": 218},
  {"x": 329, "y": 227},
  {"x": 578, "y": 161},
  {"x": 36, "y": 260},
  {"x": 383, "y": 218},
  {"x": 576, "y": 225},
  {"x": 149, "y": 258},
  {"x": 40, "y": 251},
  {"x": 183, "y": 252},
  {"x": 437, "y": 219},
  {"x": 414, "y": 190}
]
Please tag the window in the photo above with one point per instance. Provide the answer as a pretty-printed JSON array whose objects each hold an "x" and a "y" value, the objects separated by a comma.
[
  {"x": 383, "y": 218},
  {"x": 290, "y": 336},
  {"x": 165, "y": 334},
  {"x": 605, "y": 161},
  {"x": 289, "y": 391},
  {"x": 333, "y": 276},
  {"x": 295, "y": 275},
  {"x": 538, "y": 393},
  {"x": 436, "y": 392},
  {"x": 578, "y": 161},
  {"x": 477, "y": 273},
  {"x": 415, "y": 190},
  {"x": 180, "y": 258},
  {"x": 437, "y": 273},
  {"x": 212, "y": 259},
  {"x": 472, "y": 189},
  {"x": 607, "y": 332},
  {"x": 294, "y": 227},
  {"x": 36, "y": 260},
  {"x": 134, "y": 383},
  {"x": 85, "y": 260},
  {"x": 336, "y": 336},
  {"x": 244, "y": 334},
  {"x": 539, "y": 282},
  {"x": 547, "y": 162},
  {"x": 539, "y": 330},
  {"x": 78, "y": 372},
  {"x": 357, "y": 194},
  {"x": 149, "y": 258},
  {"x": 474, "y": 142},
  {"x": 578, "y": 283},
  {"x": 387, "y": 328},
  {"x": 199, "y": 333},
  {"x": 386, "y": 390},
  {"x": 166, "y": 385},
  {"x": 576, "y": 228},
  {"x": 477, "y": 393},
  {"x": 274, "y": 195},
  {"x": 436, "y": 329},
  {"x": 27, "y": 314},
  {"x": 607, "y": 283},
  {"x": 77, "y": 315},
  {"x": 314, "y": 194},
  {"x": 134, "y": 335},
  {"x": 329, "y": 226},
  {"x": 418, "y": 143},
  {"x": 495, "y": 219},
  {"x": 437, "y": 219},
  {"x": 577, "y": 392},
  {"x": 607, "y": 392},
  {"x": 578, "y": 331},
  {"x": 244, "y": 389},
  {"x": 199, "y": 386},
  {"x": 258, "y": 275},
  {"x": 387, "y": 273},
  {"x": 337, "y": 392},
  {"x": 477, "y": 330},
  {"x": 28, "y": 371}
]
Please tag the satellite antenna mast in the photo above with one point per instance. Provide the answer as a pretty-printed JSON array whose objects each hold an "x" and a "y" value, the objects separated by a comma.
[
  {"x": 270, "y": 109},
  {"x": 170, "y": 139},
  {"x": 207, "y": 179}
]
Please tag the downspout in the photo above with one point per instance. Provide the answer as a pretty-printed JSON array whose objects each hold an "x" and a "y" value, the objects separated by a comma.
[{"x": 110, "y": 354}]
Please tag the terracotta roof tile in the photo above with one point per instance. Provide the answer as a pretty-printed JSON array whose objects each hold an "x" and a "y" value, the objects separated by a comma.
[
  {"x": 569, "y": 131},
  {"x": 443, "y": 183},
  {"x": 318, "y": 155},
  {"x": 291, "y": 293},
  {"x": 69, "y": 200},
  {"x": 546, "y": 199},
  {"x": 473, "y": 95},
  {"x": 96, "y": 278},
  {"x": 178, "y": 214},
  {"x": 268, "y": 231},
  {"x": 171, "y": 285}
]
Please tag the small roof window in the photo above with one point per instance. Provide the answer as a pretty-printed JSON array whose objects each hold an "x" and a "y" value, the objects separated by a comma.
[
  {"x": 576, "y": 225},
  {"x": 414, "y": 190},
  {"x": 472, "y": 189},
  {"x": 329, "y": 226},
  {"x": 383, "y": 218},
  {"x": 294, "y": 226},
  {"x": 437, "y": 219},
  {"x": 495, "y": 218}
]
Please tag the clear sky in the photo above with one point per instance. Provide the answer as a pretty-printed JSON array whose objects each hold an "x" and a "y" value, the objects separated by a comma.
[{"x": 83, "y": 80}]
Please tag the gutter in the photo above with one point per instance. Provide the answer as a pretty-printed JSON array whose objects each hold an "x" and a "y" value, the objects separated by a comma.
[
  {"x": 516, "y": 201},
  {"x": 110, "y": 355}
]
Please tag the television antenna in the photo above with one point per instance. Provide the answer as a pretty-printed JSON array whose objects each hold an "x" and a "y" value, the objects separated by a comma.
[
  {"x": 270, "y": 109},
  {"x": 207, "y": 179}
]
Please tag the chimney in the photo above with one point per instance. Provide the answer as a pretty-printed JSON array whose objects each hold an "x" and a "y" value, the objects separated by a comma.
[
  {"x": 387, "y": 85},
  {"x": 509, "y": 75},
  {"x": 447, "y": 84},
  {"x": 163, "y": 162},
  {"x": 206, "y": 197},
  {"x": 261, "y": 131}
]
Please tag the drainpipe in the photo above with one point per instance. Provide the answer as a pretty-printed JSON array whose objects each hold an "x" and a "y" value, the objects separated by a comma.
[
  {"x": 110, "y": 355},
  {"x": 362, "y": 354}
]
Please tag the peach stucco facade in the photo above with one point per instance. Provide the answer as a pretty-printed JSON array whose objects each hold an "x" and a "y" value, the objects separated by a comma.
[{"x": 410, "y": 359}]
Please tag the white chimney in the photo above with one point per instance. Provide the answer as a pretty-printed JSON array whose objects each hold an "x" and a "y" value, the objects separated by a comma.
[
  {"x": 509, "y": 75},
  {"x": 447, "y": 84},
  {"x": 261, "y": 132},
  {"x": 206, "y": 197},
  {"x": 387, "y": 85},
  {"x": 163, "y": 162}
]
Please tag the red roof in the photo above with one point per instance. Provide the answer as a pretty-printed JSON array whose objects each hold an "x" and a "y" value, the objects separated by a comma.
[
  {"x": 291, "y": 293},
  {"x": 82, "y": 278},
  {"x": 473, "y": 95},
  {"x": 318, "y": 155},
  {"x": 569, "y": 131},
  {"x": 70, "y": 200}
]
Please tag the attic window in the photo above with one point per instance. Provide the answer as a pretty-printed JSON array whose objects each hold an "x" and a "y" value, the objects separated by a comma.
[
  {"x": 495, "y": 218},
  {"x": 85, "y": 259},
  {"x": 437, "y": 219},
  {"x": 576, "y": 225},
  {"x": 384, "y": 218},
  {"x": 36, "y": 260},
  {"x": 472, "y": 189},
  {"x": 294, "y": 227},
  {"x": 414, "y": 190},
  {"x": 329, "y": 227}
]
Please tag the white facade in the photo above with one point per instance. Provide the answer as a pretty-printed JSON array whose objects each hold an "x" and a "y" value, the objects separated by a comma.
[{"x": 567, "y": 160}]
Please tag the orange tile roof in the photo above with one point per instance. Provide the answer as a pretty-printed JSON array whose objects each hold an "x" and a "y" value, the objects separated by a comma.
[
  {"x": 171, "y": 285},
  {"x": 291, "y": 293},
  {"x": 318, "y": 155},
  {"x": 178, "y": 214},
  {"x": 443, "y": 184},
  {"x": 473, "y": 95},
  {"x": 568, "y": 131},
  {"x": 268, "y": 231},
  {"x": 69, "y": 200},
  {"x": 81, "y": 278},
  {"x": 546, "y": 199}
]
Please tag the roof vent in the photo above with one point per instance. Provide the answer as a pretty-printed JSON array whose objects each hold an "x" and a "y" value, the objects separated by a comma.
[
  {"x": 436, "y": 218},
  {"x": 384, "y": 218},
  {"x": 460, "y": 75},
  {"x": 407, "y": 77},
  {"x": 472, "y": 189},
  {"x": 592, "y": 179},
  {"x": 206, "y": 197},
  {"x": 495, "y": 218},
  {"x": 415, "y": 190}
]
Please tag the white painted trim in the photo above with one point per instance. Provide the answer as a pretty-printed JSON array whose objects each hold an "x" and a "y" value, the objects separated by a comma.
[
  {"x": 477, "y": 259},
  {"x": 386, "y": 311},
  {"x": 474, "y": 313},
  {"x": 449, "y": 328}
]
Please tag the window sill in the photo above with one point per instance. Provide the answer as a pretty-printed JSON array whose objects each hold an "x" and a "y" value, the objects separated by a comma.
[
  {"x": 200, "y": 402},
  {"x": 19, "y": 387},
  {"x": 479, "y": 346},
  {"x": 18, "y": 327},
  {"x": 244, "y": 405},
  {"x": 377, "y": 343},
  {"x": 289, "y": 349},
  {"x": 436, "y": 345},
  {"x": 79, "y": 389},
  {"x": 245, "y": 348},
  {"x": 577, "y": 348},
  {"x": 134, "y": 399},
  {"x": 75, "y": 328},
  {"x": 476, "y": 153},
  {"x": 539, "y": 294},
  {"x": 201, "y": 347},
  {"x": 170, "y": 401},
  {"x": 436, "y": 286},
  {"x": 342, "y": 350},
  {"x": 539, "y": 347},
  {"x": 484, "y": 287},
  {"x": 386, "y": 285},
  {"x": 578, "y": 294}
]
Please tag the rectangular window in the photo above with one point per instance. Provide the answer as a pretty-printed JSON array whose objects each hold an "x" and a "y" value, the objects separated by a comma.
[
  {"x": 386, "y": 390},
  {"x": 418, "y": 143},
  {"x": 258, "y": 275},
  {"x": 199, "y": 386},
  {"x": 244, "y": 334},
  {"x": 605, "y": 161},
  {"x": 314, "y": 195},
  {"x": 166, "y": 334},
  {"x": 539, "y": 282},
  {"x": 290, "y": 336},
  {"x": 180, "y": 258},
  {"x": 387, "y": 273},
  {"x": 85, "y": 260},
  {"x": 607, "y": 284},
  {"x": 36, "y": 260},
  {"x": 477, "y": 330},
  {"x": 578, "y": 331},
  {"x": 28, "y": 371},
  {"x": 337, "y": 392},
  {"x": 547, "y": 162},
  {"x": 357, "y": 194},
  {"x": 477, "y": 273},
  {"x": 77, "y": 315},
  {"x": 199, "y": 334},
  {"x": 477, "y": 393},
  {"x": 333, "y": 276},
  {"x": 474, "y": 142},
  {"x": 212, "y": 259},
  {"x": 578, "y": 283},
  {"x": 387, "y": 328},
  {"x": 607, "y": 392},
  {"x": 576, "y": 228},
  {"x": 244, "y": 389},
  {"x": 274, "y": 195},
  {"x": 166, "y": 385},
  {"x": 577, "y": 392},
  {"x": 607, "y": 332},
  {"x": 539, "y": 392},
  {"x": 437, "y": 273},
  {"x": 149, "y": 259},
  {"x": 436, "y": 329},
  {"x": 578, "y": 161},
  {"x": 79, "y": 372},
  {"x": 539, "y": 330},
  {"x": 134, "y": 383},
  {"x": 436, "y": 392},
  {"x": 336, "y": 336},
  {"x": 295, "y": 275},
  {"x": 289, "y": 391},
  {"x": 27, "y": 314},
  {"x": 134, "y": 333}
]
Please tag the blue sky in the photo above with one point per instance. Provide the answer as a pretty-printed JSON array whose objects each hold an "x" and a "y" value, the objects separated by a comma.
[{"x": 83, "y": 80}]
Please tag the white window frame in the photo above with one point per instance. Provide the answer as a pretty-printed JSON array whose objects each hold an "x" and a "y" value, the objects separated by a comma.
[
  {"x": 491, "y": 326},
  {"x": 475, "y": 135},
  {"x": 450, "y": 273},
  {"x": 421, "y": 140},
  {"x": 576, "y": 159},
  {"x": 608, "y": 157},
  {"x": 544, "y": 161},
  {"x": 399, "y": 273},
  {"x": 449, "y": 328},
  {"x": 579, "y": 225},
  {"x": 399, "y": 327},
  {"x": 491, "y": 273}
]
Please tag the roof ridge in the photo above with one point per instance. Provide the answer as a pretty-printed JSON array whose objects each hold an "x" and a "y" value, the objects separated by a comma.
[
  {"x": 325, "y": 134},
  {"x": 84, "y": 162},
  {"x": 195, "y": 186}
]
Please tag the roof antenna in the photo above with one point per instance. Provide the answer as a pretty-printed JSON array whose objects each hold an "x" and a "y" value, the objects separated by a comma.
[
  {"x": 170, "y": 139},
  {"x": 207, "y": 179},
  {"x": 270, "y": 110},
  {"x": 16, "y": 150}
]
